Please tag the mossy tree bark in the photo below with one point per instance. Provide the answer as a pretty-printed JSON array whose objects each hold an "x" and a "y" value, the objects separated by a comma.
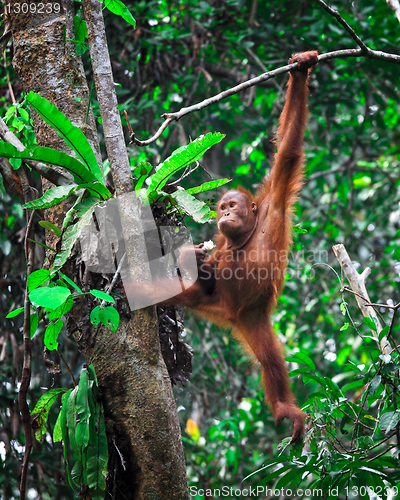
[{"x": 146, "y": 453}]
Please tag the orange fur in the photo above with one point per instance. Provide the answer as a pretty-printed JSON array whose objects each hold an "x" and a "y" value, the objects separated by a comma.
[{"x": 233, "y": 288}]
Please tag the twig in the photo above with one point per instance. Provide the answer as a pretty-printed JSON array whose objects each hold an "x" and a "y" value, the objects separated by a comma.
[
  {"x": 8, "y": 79},
  {"x": 395, "y": 6},
  {"x": 252, "y": 21},
  {"x": 67, "y": 367},
  {"x": 367, "y": 302},
  {"x": 353, "y": 419},
  {"x": 128, "y": 124},
  {"x": 115, "y": 277},
  {"x": 26, "y": 370},
  {"x": 119, "y": 453},
  {"x": 170, "y": 117},
  {"x": 346, "y": 26}
]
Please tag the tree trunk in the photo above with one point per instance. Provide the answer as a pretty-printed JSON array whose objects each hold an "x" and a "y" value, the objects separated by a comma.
[{"x": 146, "y": 453}]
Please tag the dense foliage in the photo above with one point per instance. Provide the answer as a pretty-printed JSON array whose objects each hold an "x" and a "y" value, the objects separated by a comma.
[{"x": 178, "y": 54}]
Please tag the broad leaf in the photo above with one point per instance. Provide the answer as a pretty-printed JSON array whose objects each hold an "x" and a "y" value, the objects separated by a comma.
[
  {"x": 61, "y": 310},
  {"x": 70, "y": 282},
  {"x": 97, "y": 189},
  {"x": 141, "y": 172},
  {"x": 51, "y": 197},
  {"x": 34, "y": 322},
  {"x": 84, "y": 212},
  {"x": 64, "y": 431},
  {"x": 14, "y": 313},
  {"x": 196, "y": 209},
  {"x": 118, "y": 8},
  {"x": 49, "y": 297},
  {"x": 40, "y": 413},
  {"x": 73, "y": 136},
  {"x": 181, "y": 158},
  {"x": 37, "y": 278},
  {"x": 82, "y": 408},
  {"x": 208, "y": 186},
  {"x": 51, "y": 334},
  {"x": 51, "y": 156},
  {"x": 102, "y": 296},
  {"x": 108, "y": 316},
  {"x": 50, "y": 227}
]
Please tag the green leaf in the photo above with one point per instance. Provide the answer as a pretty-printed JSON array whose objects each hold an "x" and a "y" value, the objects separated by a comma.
[
  {"x": 119, "y": 9},
  {"x": 196, "y": 209},
  {"x": 83, "y": 211},
  {"x": 37, "y": 278},
  {"x": 57, "y": 431},
  {"x": 51, "y": 334},
  {"x": 14, "y": 313},
  {"x": 61, "y": 310},
  {"x": 141, "y": 172},
  {"x": 102, "y": 296},
  {"x": 108, "y": 316},
  {"x": 52, "y": 157},
  {"x": 34, "y": 322},
  {"x": 49, "y": 297},
  {"x": 92, "y": 373},
  {"x": 70, "y": 282},
  {"x": 41, "y": 244},
  {"x": 50, "y": 227},
  {"x": 383, "y": 333},
  {"x": 208, "y": 186},
  {"x": 98, "y": 460},
  {"x": 388, "y": 421},
  {"x": 375, "y": 383},
  {"x": 82, "y": 408},
  {"x": 302, "y": 358},
  {"x": 80, "y": 29},
  {"x": 298, "y": 229},
  {"x": 71, "y": 214},
  {"x": 73, "y": 136},
  {"x": 40, "y": 413},
  {"x": 64, "y": 430},
  {"x": 71, "y": 424},
  {"x": 181, "y": 158},
  {"x": 97, "y": 189},
  {"x": 370, "y": 323},
  {"x": 51, "y": 197}
]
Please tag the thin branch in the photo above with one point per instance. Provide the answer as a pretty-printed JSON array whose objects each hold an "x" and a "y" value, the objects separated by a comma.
[
  {"x": 346, "y": 26},
  {"x": 395, "y": 6},
  {"x": 67, "y": 367},
  {"x": 26, "y": 369},
  {"x": 170, "y": 117},
  {"x": 252, "y": 21}
]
